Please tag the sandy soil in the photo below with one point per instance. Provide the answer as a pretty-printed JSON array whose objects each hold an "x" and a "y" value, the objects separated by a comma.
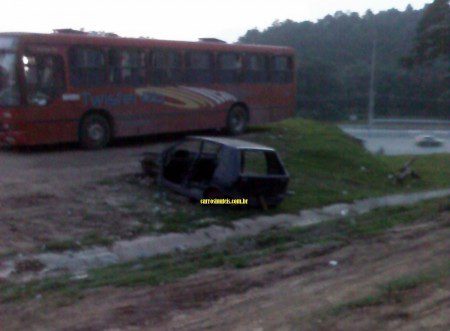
[{"x": 287, "y": 291}]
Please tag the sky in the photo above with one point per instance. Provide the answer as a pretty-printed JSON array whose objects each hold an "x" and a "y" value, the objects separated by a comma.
[{"x": 176, "y": 19}]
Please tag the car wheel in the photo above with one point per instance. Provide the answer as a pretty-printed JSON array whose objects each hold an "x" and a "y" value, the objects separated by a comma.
[
  {"x": 213, "y": 193},
  {"x": 237, "y": 120},
  {"x": 95, "y": 132}
]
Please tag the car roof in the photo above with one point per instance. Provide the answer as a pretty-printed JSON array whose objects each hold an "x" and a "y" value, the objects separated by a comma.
[{"x": 233, "y": 143}]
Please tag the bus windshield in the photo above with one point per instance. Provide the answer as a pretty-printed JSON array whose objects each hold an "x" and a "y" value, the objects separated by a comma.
[{"x": 9, "y": 92}]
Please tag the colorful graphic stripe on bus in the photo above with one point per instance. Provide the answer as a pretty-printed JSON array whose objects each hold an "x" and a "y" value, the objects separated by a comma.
[
  {"x": 185, "y": 97},
  {"x": 182, "y": 97}
]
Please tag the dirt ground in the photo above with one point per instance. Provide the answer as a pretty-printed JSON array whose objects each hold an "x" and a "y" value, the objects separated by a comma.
[
  {"x": 59, "y": 193},
  {"x": 294, "y": 290}
]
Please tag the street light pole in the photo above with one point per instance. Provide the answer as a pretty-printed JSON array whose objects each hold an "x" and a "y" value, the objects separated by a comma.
[{"x": 371, "y": 107}]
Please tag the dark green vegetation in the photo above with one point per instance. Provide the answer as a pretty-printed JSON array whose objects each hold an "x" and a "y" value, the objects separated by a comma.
[
  {"x": 333, "y": 61},
  {"x": 239, "y": 253},
  {"x": 433, "y": 33}
]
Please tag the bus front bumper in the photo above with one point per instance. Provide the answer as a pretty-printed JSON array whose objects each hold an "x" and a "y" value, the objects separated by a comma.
[{"x": 11, "y": 138}]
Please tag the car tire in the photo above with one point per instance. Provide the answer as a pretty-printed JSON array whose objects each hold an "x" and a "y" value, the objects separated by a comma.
[
  {"x": 237, "y": 120},
  {"x": 213, "y": 193},
  {"x": 95, "y": 132}
]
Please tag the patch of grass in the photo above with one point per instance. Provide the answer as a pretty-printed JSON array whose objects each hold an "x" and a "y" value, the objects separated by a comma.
[
  {"x": 95, "y": 239},
  {"x": 91, "y": 239},
  {"x": 62, "y": 245},
  {"x": 183, "y": 220},
  {"x": 328, "y": 166},
  {"x": 433, "y": 169},
  {"x": 325, "y": 164},
  {"x": 368, "y": 301},
  {"x": 154, "y": 271},
  {"x": 107, "y": 181},
  {"x": 179, "y": 221},
  {"x": 8, "y": 253},
  {"x": 381, "y": 219},
  {"x": 395, "y": 290},
  {"x": 240, "y": 261},
  {"x": 274, "y": 238}
]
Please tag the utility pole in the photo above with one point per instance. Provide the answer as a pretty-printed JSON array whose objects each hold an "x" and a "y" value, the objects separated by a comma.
[{"x": 371, "y": 107}]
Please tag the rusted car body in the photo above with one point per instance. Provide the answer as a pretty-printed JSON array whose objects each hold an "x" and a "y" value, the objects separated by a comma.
[{"x": 215, "y": 167}]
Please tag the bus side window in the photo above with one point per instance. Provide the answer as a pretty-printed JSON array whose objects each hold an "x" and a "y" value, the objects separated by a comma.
[
  {"x": 265, "y": 73},
  {"x": 199, "y": 68},
  {"x": 281, "y": 69},
  {"x": 174, "y": 67},
  {"x": 127, "y": 67},
  {"x": 257, "y": 69},
  {"x": 87, "y": 67},
  {"x": 229, "y": 66},
  {"x": 44, "y": 78},
  {"x": 157, "y": 71}
]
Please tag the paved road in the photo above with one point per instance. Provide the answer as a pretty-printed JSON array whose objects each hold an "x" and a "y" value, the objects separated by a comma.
[{"x": 398, "y": 141}]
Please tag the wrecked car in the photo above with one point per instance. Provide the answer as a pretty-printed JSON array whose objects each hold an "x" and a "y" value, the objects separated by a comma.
[{"x": 217, "y": 168}]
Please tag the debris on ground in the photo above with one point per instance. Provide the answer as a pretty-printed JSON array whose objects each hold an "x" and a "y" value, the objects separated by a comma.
[{"x": 406, "y": 172}]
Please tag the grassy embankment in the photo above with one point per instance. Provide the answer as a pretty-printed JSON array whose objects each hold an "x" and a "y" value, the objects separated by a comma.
[{"x": 326, "y": 166}]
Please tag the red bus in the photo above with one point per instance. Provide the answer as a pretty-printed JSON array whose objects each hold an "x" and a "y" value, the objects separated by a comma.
[{"x": 68, "y": 87}]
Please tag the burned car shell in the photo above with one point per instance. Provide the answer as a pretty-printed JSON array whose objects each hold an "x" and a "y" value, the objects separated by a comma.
[{"x": 219, "y": 175}]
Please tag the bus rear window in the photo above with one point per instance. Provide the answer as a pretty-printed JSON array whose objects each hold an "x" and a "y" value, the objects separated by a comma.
[{"x": 87, "y": 67}]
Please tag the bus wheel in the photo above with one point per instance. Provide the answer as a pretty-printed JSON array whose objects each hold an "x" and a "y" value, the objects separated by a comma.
[
  {"x": 237, "y": 120},
  {"x": 95, "y": 132}
]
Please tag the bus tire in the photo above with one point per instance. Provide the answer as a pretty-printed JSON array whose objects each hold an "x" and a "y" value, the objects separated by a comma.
[
  {"x": 95, "y": 132},
  {"x": 237, "y": 120}
]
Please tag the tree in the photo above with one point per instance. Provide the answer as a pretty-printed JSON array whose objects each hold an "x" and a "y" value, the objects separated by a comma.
[
  {"x": 433, "y": 33},
  {"x": 333, "y": 61}
]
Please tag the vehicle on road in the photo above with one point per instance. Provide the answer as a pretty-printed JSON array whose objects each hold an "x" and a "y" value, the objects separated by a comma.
[
  {"x": 428, "y": 141},
  {"x": 74, "y": 86},
  {"x": 219, "y": 168}
]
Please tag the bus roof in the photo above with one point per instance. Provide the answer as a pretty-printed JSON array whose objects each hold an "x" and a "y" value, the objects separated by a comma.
[{"x": 95, "y": 40}]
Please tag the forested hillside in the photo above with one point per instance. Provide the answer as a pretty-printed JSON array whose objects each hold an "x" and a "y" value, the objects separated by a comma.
[{"x": 333, "y": 62}]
